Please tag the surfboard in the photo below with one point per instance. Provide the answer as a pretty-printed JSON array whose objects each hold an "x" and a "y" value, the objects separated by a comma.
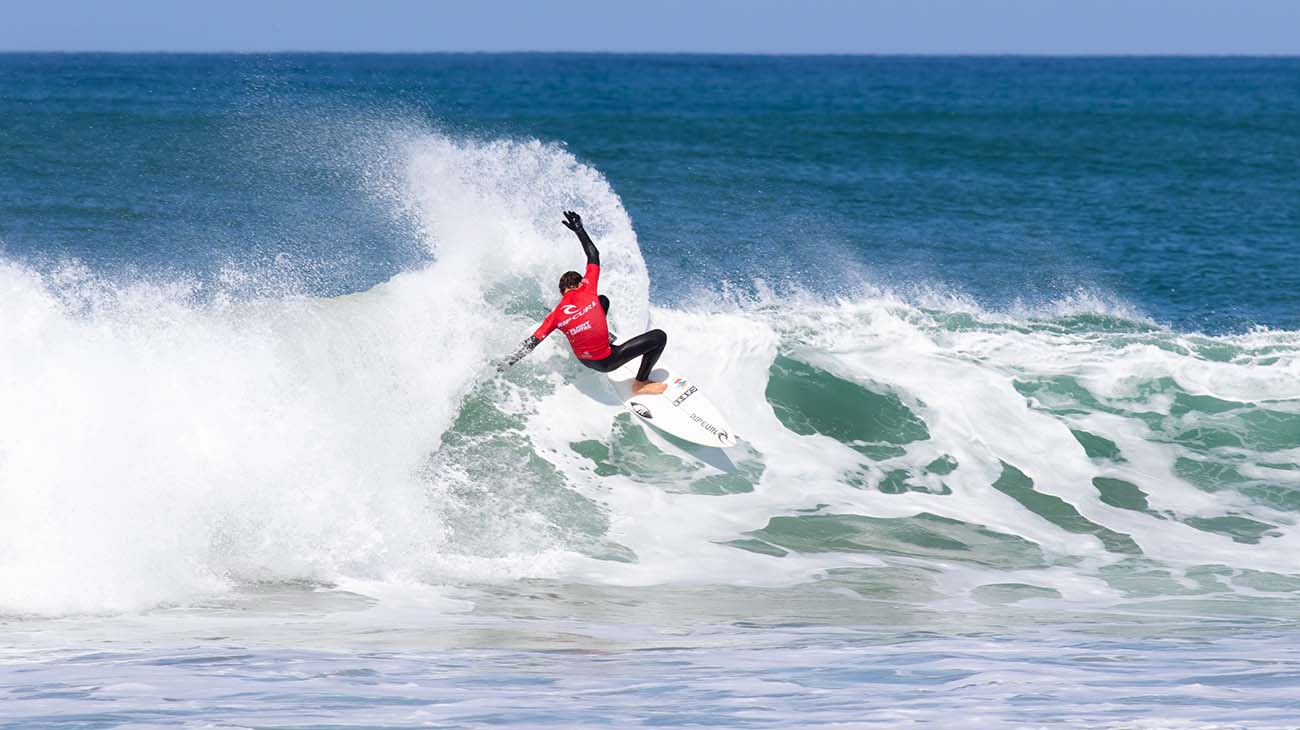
[{"x": 681, "y": 410}]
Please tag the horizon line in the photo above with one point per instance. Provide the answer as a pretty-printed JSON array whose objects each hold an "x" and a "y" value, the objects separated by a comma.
[{"x": 752, "y": 54}]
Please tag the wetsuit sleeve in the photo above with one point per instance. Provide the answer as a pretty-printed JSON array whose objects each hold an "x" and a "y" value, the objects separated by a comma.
[
  {"x": 592, "y": 277},
  {"x": 524, "y": 348},
  {"x": 589, "y": 248},
  {"x": 528, "y": 345}
]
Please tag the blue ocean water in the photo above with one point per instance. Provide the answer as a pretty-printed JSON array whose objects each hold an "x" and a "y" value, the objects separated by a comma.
[
  {"x": 1013, "y": 344},
  {"x": 1166, "y": 184}
]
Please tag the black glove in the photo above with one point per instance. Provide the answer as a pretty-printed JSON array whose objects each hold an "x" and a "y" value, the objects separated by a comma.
[{"x": 573, "y": 221}]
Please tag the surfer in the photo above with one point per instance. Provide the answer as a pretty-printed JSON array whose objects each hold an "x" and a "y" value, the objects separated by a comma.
[{"x": 580, "y": 315}]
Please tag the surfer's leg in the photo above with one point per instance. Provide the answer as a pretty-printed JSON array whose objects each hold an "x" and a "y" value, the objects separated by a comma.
[
  {"x": 609, "y": 364},
  {"x": 648, "y": 347},
  {"x": 604, "y": 304},
  {"x": 652, "y": 344}
]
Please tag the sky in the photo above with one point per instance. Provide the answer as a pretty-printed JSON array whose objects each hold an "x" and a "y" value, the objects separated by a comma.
[{"x": 1065, "y": 27}]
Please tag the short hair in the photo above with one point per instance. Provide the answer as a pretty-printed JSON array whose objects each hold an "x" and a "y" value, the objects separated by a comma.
[{"x": 570, "y": 280}]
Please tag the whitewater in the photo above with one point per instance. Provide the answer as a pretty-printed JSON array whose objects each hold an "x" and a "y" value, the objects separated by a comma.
[
  {"x": 168, "y": 448},
  {"x": 240, "y": 502}
]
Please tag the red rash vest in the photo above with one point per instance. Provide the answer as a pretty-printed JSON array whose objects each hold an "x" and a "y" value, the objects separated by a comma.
[{"x": 580, "y": 317}]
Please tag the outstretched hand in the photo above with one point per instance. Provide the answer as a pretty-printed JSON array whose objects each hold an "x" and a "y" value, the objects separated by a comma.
[{"x": 572, "y": 221}]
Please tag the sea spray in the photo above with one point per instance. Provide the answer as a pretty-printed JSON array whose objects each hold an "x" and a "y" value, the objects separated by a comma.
[{"x": 157, "y": 445}]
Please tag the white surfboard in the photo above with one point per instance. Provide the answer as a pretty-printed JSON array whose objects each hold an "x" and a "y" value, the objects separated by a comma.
[{"x": 681, "y": 410}]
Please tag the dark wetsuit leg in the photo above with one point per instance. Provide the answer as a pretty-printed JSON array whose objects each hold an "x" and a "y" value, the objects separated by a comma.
[
  {"x": 648, "y": 347},
  {"x": 604, "y": 304}
]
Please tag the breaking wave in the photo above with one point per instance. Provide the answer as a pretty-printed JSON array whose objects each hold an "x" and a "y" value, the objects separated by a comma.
[{"x": 157, "y": 447}]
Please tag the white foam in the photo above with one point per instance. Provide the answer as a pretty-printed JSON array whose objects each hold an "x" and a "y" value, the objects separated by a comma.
[
  {"x": 153, "y": 448},
  {"x": 158, "y": 443},
  {"x": 960, "y": 381}
]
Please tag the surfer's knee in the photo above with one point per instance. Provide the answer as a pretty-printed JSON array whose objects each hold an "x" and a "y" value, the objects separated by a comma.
[{"x": 604, "y": 303}]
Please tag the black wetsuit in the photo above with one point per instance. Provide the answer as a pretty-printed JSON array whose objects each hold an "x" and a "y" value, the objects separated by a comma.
[{"x": 648, "y": 346}]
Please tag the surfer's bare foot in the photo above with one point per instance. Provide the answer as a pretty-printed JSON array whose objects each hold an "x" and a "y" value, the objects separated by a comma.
[{"x": 646, "y": 387}]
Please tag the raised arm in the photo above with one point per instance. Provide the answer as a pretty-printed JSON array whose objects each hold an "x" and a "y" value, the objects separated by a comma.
[{"x": 573, "y": 222}]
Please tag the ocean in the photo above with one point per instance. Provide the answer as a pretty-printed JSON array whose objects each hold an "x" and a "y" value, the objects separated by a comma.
[{"x": 1012, "y": 345}]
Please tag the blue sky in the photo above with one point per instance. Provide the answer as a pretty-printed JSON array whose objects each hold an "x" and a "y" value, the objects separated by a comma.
[{"x": 727, "y": 26}]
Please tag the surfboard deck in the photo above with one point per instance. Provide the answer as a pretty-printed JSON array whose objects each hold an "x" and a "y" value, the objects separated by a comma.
[{"x": 682, "y": 410}]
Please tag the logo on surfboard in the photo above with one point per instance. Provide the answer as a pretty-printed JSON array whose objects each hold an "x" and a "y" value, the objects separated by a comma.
[
  {"x": 685, "y": 394},
  {"x": 696, "y": 422}
]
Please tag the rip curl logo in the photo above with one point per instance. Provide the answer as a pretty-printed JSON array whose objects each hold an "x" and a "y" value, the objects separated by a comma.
[
  {"x": 573, "y": 312},
  {"x": 641, "y": 410},
  {"x": 723, "y": 436}
]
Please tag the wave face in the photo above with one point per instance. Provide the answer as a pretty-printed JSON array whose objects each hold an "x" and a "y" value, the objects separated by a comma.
[{"x": 158, "y": 447}]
